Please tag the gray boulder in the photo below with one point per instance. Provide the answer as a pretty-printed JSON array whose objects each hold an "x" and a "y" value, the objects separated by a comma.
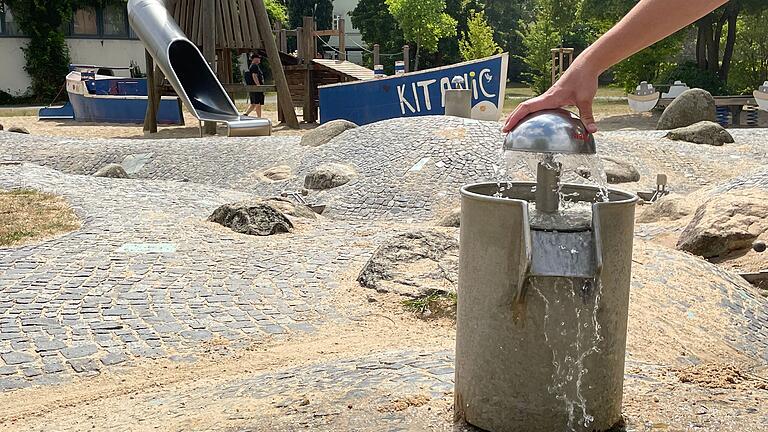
[
  {"x": 290, "y": 208},
  {"x": 452, "y": 219},
  {"x": 703, "y": 132},
  {"x": 257, "y": 219},
  {"x": 666, "y": 208},
  {"x": 413, "y": 264},
  {"x": 18, "y": 129},
  {"x": 111, "y": 171},
  {"x": 326, "y": 132},
  {"x": 618, "y": 171},
  {"x": 328, "y": 176},
  {"x": 277, "y": 173},
  {"x": 692, "y": 106},
  {"x": 726, "y": 223}
]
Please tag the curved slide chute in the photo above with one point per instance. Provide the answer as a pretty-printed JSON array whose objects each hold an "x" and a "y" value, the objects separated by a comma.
[{"x": 186, "y": 69}]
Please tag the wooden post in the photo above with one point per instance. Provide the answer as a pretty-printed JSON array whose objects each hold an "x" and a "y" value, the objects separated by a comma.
[
  {"x": 300, "y": 43},
  {"x": 309, "y": 50},
  {"x": 407, "y": 57},
  {"x": 281, "y": 82},
  {"x": 554, "y": 66},
  {"x": 150, "y": 118},
  {"x": 208, "y": 18},
  {"x": 376, "y": 55},
  {"x": 560, "y": 65},
  {"x": 342, "y": 42}
]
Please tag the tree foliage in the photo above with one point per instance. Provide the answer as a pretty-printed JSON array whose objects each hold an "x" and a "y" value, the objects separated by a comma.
[
  {"x": 424, "y": 22},
  {"x": 750, "y": 58},
  {"x": 321, "y": 10},
  {"x": 477, "y": 42},
  {"x": 277, "y": 11},
  {"x": 378, "y": 26},
  {"x": 46, "y": 54}
]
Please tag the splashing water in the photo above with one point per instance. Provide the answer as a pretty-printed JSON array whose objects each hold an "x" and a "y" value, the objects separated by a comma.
[{"x": 568, "y": 366}]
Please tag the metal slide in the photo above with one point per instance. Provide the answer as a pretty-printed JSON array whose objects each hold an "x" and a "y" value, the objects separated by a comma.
[{"x": 186, "y": 69}]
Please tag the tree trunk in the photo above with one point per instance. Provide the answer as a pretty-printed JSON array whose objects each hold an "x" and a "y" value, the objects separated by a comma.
[
  {"x": 418, "y": 53},
  {"x": 725, "y": 68},
  {"x": 713, "y": 49},
  {"x": 701, "y": 45}
]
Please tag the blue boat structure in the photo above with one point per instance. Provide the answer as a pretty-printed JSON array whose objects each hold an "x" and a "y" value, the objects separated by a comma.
[
  {"x": 96, "y": 95},
  {"x": 417, "y": 93}
]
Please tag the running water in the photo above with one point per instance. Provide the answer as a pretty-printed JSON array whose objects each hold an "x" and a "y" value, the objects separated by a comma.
[{"x": 584, "y": 337}]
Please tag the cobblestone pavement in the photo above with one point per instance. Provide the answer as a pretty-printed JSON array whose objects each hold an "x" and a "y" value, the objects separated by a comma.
[
  {"x": 86, "y": 300},
  {"x": 412, "y": 173},
  {"x": 147, "y": 278}
]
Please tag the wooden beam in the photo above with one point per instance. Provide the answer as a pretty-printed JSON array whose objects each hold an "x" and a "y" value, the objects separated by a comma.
[
  {"x": 309, "y": 53},
  {"x": 208, "y": 25},
  {"x": 283, "y": 92},
  {"x": 235, "y": 87},
  {"x": 320, "y": 33},
  {"x": 376, "y": 55}
]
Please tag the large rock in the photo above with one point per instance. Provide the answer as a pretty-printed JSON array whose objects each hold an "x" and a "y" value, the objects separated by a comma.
[
  {"x": 18, "y": 129},
  {"x": 726, "y": 223},
  {"x": 413, "y": 264},
  {"x": 692, "y": 106},
  {"x": 452, "y": 219},
  {"x": 667, "y": 208},
  {"x": 291, "y": 208},
  {"x": 703, "y": 132},
  {"x": 329, "y": 176},
  {"x": 277, "y": 173},
  {"x": 111, "y": 171},
  {"x": 259, "y": 219},
  {"x": 326, "y": 132},
  {"x": 618, "y": 171}
]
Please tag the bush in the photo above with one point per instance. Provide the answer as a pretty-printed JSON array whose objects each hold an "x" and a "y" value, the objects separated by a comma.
[{"x": 694, "y": 77}]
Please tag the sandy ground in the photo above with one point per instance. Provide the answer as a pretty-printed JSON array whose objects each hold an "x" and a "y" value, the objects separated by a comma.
[{"x": 163, "y": 395}]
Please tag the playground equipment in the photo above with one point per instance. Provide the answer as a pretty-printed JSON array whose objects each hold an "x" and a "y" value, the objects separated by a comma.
[
  {"x": 186, "y": 69},
  {"x": 543, "y": 293}
]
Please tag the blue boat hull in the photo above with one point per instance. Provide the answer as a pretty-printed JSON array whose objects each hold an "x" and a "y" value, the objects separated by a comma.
[
  {"x": 64, "y": 112},
  {"x": 416, "y": 94},
  {"x": 122, "y": 109}
]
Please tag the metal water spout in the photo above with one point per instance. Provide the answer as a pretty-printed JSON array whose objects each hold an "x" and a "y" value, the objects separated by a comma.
[{"x": 550, "y": 132}]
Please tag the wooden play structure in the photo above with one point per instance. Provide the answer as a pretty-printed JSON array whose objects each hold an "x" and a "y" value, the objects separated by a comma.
[
  {"x": 561, "y": 59},
  {"x": 223, "y": 27}
]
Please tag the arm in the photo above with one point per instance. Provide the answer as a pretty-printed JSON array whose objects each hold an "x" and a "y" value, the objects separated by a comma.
[
  {"x": 256, "y": 79},
  {"x": 647, "y": 23}
]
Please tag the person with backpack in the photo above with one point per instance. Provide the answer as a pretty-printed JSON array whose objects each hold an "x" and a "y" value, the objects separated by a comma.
[{"x": 255, "y": 76}]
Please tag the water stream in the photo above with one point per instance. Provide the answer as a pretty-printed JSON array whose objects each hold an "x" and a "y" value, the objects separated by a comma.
[{"x": 571, "y": 326}]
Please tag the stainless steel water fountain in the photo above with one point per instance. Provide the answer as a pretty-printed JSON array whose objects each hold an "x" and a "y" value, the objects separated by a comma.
[{"x": 542, "y": 307}]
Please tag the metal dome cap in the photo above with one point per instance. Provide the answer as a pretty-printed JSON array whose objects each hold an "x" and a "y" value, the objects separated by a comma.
[{"x": 551, "y": 131}]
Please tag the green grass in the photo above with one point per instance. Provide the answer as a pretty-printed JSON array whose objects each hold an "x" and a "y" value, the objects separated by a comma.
[
  {"x": 518, "y": 90},
  {"x": 19, "y": 111},
  {"x": 436, "y": 304},
  {"x": 27, "y": 215}
]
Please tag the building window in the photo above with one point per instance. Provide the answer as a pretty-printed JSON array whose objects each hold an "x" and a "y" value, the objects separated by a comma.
[
  {"x": 115, "y": 18},
  {"x": 8, "y": 26},
  {"x": 84, "y": 22}
]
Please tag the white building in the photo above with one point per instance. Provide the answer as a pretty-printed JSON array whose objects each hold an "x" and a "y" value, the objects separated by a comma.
[
  {"x": 95, "y": 36},
  {"x": 102, "y": 36},
  {"x": 353, "y": 39}
]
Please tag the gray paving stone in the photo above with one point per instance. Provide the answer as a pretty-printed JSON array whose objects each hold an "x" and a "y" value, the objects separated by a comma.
[
  {"x": 15, "y": 358},
  {"x": 79, "y": 351}
]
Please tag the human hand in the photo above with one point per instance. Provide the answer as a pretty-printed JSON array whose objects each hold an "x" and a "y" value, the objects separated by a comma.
[{"x": 577, "y": 87}]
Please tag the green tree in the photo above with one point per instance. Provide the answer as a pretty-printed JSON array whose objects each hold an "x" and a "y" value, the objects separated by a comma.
[
  {"x": 321, "y": 10},
  {"x": 506, "y": 18},
  {"x": 46, "y": 54},
  {"x": 478, "y": 41},
  {"x": 378, "y": 26},
  {"x": 424, "y": 22},
  {"x": 750, "y": 59},
  {"x": 277, "y": 11}
]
